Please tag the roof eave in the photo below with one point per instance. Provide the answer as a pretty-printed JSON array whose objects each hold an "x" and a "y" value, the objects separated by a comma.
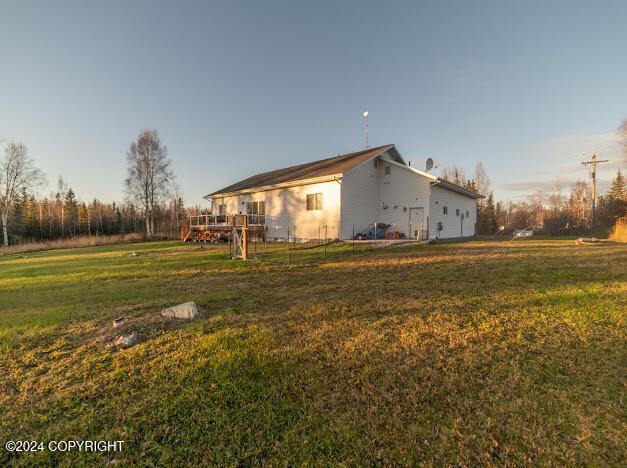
[
  {"x": 416, "y": 171},
  {"x": 456, "y": 188},
  {"x": 265, "y": 188},
  {"x": 398, "y": 153}
]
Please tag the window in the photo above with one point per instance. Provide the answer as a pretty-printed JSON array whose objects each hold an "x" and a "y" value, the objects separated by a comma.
[
  {"x": 388, "y": 170},
  {"x": 222, "y": 209},
  {"x": 457, "y": 212},
  {"x": 256, "y": 211},
  {"x": 446, "y": 210},
  {"x": 256, "y": 208},
  {"x": 314, "y": 201},
  {"x": 467, "y": 214}
]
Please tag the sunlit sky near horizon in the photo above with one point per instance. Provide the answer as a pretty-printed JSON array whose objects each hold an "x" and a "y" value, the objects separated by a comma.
[{"x": 234, "y": 88}]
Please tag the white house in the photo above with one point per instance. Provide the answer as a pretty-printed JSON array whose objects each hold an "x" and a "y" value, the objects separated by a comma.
[{"x": 342, "y": 195}]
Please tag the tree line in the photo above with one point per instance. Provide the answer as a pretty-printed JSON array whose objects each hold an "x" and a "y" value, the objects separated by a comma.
[
  {"x": 555, "y": 213},
  {"x": 153, "y": 205}
]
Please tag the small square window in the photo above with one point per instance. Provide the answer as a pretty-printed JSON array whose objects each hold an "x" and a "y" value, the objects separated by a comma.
[
  {"x": 457, "y": 212},
  {"x": 446, "y": 210},
  {"x": 388, "y": 170},
  {"x": 467, "y": 214}
]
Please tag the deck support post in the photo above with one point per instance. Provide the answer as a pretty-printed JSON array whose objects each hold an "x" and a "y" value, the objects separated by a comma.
[{"x": 245, "y": 238}]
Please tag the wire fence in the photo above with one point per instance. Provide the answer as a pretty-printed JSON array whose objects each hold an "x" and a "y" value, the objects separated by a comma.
[
  {"x": 269, "y": 240},
  {"x": 305, "y": 250}
]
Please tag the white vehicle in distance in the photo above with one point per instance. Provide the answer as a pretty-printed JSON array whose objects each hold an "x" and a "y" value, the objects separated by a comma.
[{"x": 527, "y": 232}]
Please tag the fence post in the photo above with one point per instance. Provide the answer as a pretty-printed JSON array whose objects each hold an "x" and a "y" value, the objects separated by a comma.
[
  {"x": 325, "y": 242},
  {"x": 288, "y": 244},
  {"x": 353, "y": 238}
]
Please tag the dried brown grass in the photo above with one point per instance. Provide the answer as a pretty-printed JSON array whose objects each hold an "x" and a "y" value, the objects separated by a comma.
[
  {"x": 82, "y": 241},
  {"x": 619, "y": 234}
]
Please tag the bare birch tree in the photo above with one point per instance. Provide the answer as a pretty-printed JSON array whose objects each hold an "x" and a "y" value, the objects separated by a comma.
[
  {"x": 177, "y": 203},
  {"x": 454, "y": 174},
  {"x": 17, "y": 174},
  {"x": 481, "y": 180},
  {"x": 149, "y": 175}
]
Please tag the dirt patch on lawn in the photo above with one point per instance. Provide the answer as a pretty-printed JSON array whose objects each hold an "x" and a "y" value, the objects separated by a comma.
[{"x": 145, "y": 327}]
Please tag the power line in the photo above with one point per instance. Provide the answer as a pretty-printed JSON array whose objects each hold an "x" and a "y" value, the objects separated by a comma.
[{"x": 593, "y": 174}]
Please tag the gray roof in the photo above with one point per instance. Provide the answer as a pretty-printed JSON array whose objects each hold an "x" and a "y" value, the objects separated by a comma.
[
  {"x": 327, "y": 167},
  {"x": 324, "y": 167},
  {"x": 456, "y": 188}
]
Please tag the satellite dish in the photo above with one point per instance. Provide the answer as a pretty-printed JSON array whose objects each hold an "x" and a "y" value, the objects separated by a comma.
[{"x": 429, "y": 164}]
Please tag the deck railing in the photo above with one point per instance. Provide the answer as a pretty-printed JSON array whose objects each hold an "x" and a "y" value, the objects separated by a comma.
[{"x": 201, "y": 221}]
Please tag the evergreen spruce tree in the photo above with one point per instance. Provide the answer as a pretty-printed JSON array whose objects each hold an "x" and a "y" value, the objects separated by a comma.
[
  {"x": 499, "y": 215},
  {"x": 118, "y": 225},
  {"x": 487, "y": 222},
  {"x": 83, "y": 219},
  {"x": 617, "y": 189},
  {"x": 29, "y": 217},
  {"x": 71, "y": 208},
  {"x": 613, "y": 205}
]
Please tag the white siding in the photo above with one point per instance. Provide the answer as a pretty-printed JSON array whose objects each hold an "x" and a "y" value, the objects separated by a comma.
[
  {"x": 402, "y": 190},
  {"x": 364, "y": 195},
  {"x": 360, "y": 198},
  {"x": 288, "y": 207},
  {"x": 451, "y": 223},
  {"x": 370, "y": 195}
]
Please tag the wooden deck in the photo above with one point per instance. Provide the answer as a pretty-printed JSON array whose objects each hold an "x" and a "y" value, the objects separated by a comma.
[{"x": 212, "y": 228}]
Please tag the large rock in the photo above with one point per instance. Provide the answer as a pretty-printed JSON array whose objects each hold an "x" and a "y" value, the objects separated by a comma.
[
  {"x": 185, "y": 311},
  {"x": 127, "y": 341}
]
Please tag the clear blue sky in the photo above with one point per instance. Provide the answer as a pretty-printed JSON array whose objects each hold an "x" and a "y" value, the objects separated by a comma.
[{"x": 235, "y": 88}]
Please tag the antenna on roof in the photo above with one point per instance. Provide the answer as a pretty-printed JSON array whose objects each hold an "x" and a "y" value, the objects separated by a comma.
[{"x": 366, "y": 121}]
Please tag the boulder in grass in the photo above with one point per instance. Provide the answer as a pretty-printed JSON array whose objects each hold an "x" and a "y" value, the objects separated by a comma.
[
  {"x": 185, "y": 311},
  {"x": 127, "y": 341}
]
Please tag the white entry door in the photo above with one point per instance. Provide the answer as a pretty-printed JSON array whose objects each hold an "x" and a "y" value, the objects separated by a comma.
[{"x": 417, "y": 227}]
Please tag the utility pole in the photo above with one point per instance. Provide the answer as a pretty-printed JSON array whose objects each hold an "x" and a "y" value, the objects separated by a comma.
[
  {"x": 366, "y": 117},
  {"x": 593, "y": 174}
]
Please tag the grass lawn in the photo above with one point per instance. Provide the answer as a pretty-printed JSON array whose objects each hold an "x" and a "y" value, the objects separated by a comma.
[{"x": 481, "y": 352}]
